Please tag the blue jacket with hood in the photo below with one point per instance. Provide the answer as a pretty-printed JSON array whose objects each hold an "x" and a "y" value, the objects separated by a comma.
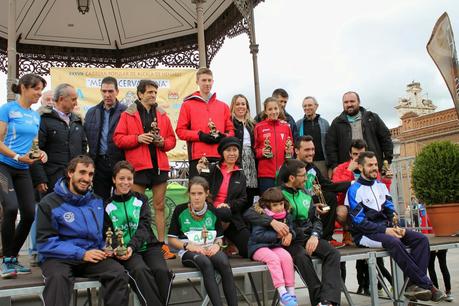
[{"x": 68, "y": 224}]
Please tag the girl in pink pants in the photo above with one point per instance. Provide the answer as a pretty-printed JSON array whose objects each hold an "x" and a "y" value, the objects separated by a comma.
[{"x": 266, "y": 246}]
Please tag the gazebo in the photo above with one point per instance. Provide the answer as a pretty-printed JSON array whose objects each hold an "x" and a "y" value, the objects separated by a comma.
[{"x": 119, "y": 34}]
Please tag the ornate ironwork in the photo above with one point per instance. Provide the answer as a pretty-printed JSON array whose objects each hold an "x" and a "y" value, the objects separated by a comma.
[{"x": 177, "y": 52}]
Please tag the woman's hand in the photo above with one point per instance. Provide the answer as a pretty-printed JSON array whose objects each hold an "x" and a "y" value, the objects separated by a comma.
[
  {"x": 27, "y": 160},
  {"x": 127, "y": 255}
]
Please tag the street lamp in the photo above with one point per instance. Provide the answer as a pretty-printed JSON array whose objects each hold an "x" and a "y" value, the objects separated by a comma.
[{"x": 83, "y": 6}]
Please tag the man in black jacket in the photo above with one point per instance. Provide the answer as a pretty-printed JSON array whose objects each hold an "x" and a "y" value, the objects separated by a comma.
[
  {"x": 61, "y": 136},
  {"x": 99, "y": 125},
  {"x": 355, "y": 122}
]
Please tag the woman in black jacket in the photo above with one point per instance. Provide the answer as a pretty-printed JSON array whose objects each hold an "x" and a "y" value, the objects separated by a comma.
[
  {"x": 243, "y": 130},
  {"x": 129, "y": 212},
  {"x": 228, "y": 192}
]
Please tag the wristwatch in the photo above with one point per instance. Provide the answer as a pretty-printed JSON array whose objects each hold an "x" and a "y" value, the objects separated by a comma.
[
  {"x": 16, "y": 157},
  {"x": 185, "y": 244}
]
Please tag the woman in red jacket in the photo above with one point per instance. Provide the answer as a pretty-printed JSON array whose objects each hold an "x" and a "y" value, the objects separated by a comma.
[
  {"x": 145, "y": 134},
  {"x": 273, "y": 144}
]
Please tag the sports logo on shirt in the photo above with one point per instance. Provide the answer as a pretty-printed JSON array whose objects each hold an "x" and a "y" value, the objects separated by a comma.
[
  {"x": 69, "y": 217},
  {"x": 209, "y": 222},
  {"x": 15, "y": 114}
]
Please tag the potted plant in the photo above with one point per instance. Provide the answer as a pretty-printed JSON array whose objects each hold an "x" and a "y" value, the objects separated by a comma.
[{"x": 436, "y": 184}]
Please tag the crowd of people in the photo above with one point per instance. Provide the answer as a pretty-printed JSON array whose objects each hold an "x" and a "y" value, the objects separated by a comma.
[{"x": 269, "y": 189}]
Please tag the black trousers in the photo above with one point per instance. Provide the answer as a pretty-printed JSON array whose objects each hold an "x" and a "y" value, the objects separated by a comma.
[
  {"x": 59, "y": 278},
  {"x": 239, "y": 237},
  {"x": 443, "y": 268},
  {"x": 149, "y": 276},
  {"x": 330, "y": 287},
  {"x": 102, "y": 183},
  {"x": 328, "y": 220},
  {"x": 17, "y": 193},
  {"x": 207, "y": 266}
]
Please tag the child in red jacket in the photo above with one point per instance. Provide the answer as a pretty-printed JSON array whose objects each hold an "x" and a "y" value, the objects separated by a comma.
[{"x": 273, "y": 144}]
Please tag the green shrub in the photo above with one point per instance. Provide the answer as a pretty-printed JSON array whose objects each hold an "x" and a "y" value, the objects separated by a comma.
[{"x": 436, "y": 173}]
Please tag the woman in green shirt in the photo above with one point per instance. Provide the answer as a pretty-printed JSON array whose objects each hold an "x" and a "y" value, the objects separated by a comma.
[
  {"x": 197, "y": 232},
  {"x": 128, "y": 212}
]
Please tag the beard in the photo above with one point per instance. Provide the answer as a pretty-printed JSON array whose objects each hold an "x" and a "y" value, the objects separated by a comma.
[
  {"x": 78, "y": 190},
  {"x": 352, "y": 111},
  {"x": 370, "y": 175}
]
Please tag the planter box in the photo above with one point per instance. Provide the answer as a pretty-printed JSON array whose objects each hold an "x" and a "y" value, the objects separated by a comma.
[{"x": 444, "y": 218}]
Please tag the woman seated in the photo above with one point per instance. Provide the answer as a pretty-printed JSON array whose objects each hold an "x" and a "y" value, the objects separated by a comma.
[
  {"x": 196, "y": 231},
  {"x": 228, "y": 191},
  {"x": 128, "y": 219}
]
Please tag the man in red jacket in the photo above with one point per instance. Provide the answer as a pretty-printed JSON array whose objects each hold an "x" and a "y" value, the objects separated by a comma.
[
  {"x": 145, "y": 134},
  {"x": 203, "y": 121}
]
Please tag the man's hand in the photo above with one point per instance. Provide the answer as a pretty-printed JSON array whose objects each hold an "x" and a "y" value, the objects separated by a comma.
[
  {"x": 311, "y": 245},
  {"x": 196, "y": 249},
  {"x": 94, "y": 256},
  {"x": 223, "y": 205},
  {"x": 389, "y": 174},
  {"x": 320, "y": 208},
  {"x": 393, "y": 232},
  {"x": 43, "y": 157},
  {"x": 159, "y": 143},
  {"x": 127, "y": 255},
  {"x": 280, "y": 227},
  {"x": 145, "y": 138},
  {"x": 42, "y": 187},
  {"x": 286, "y": 240},
  {"x": 352, "y": 165},
  {"x": 212, "y": 250},
  {"x": 401, "y": 231}
]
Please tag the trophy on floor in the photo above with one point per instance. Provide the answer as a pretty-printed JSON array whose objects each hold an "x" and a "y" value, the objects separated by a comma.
[
  {"x": 204, "y": 234},
  {"x": 121, "y": 249},
  {"x": 35, "y": 150},
  {"x": 268, "y": 148},
  {"x": 205, "y": 161},
  {"x": 213, "y": 129},
  {"x": 155, "y": 131},
  {"x": 108, "y": 241},
  {"x": 288, "y": 148}
]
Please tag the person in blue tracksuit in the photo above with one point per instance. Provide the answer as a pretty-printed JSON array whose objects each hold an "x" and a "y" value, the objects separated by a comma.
[
  {"x": 372, "y": 211},
  {"x": 70, "y": 239}
]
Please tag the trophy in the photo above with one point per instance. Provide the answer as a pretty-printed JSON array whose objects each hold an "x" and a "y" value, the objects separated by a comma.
[
  {"x": 288, "y": 148},
  {"x": 213, "y": 128},
  {"x": 108, "y": 241},
  {"x": 35, "y": 150},
  {"x": 205, "y": 161},
  {"x": 269, "y": 148},
  {"x": 319, "y": 193},
  {"x": 155, "y": 131},
  {"x": 204, "y": 234},
  {"x": 395, "y": 221},
  {"x": 385, "y": 170},
  {"x": 121, "y": 250}
]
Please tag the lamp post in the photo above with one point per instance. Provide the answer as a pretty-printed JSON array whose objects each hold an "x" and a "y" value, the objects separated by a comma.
[{"x": 83, "y": 6}]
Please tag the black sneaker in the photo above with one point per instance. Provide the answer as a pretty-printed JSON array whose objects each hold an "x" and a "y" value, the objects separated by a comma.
[{"x": 414, "y": 293}]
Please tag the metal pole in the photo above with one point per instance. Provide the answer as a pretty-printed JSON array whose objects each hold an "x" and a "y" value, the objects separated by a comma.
[
  {"x": 254, "y": 51},
  {"x": 201, "y": 37},
  {"x": 11, "y": 49}
]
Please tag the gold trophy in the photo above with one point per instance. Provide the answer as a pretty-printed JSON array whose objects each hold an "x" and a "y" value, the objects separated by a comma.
[
  {"x": 213, "y": 128},
  {"x": 385, "y": 170},
  {"x": 288, "y": 148},
  {"x": 155, "y": 131},
  {"x": 395, "y": 222},
  {"x": 204, "y": 234},
  {"x": 121, "y": 250},
  {"x": 205, "y": 161},
  {"x": 319, "y": 193},
  {"x": 269, "y": 148},
  {"x": 108, "y": 241},
  {"x": 35, "y": 150}
]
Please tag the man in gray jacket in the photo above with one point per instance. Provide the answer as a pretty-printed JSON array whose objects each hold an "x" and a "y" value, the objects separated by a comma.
[{"x": 317, "y": 127}]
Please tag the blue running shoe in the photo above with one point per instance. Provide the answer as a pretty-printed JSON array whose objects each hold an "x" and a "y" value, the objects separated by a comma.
[
  {"x": 8, "y": 269},
  {"x": 20, "y": 269},
  {"x": 288, "y": 300}
]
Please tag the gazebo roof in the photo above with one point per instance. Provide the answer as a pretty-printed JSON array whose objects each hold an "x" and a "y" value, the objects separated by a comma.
[{"x": 117, "y": 33}]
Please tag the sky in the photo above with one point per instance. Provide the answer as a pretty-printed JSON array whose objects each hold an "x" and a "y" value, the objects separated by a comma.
[{"x": 325, "y": 48}]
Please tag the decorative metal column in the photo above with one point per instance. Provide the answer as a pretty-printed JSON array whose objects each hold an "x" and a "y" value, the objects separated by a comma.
[
  {"x": 201, "y": 37},
  {"x": 11, "y": 49},
  {"x": 246, "y": 9}
]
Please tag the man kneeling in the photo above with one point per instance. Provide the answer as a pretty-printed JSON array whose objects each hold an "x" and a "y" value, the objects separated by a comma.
[
  {"x": 371, "y": 210},
  {"x": 70, "y": 242}
]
